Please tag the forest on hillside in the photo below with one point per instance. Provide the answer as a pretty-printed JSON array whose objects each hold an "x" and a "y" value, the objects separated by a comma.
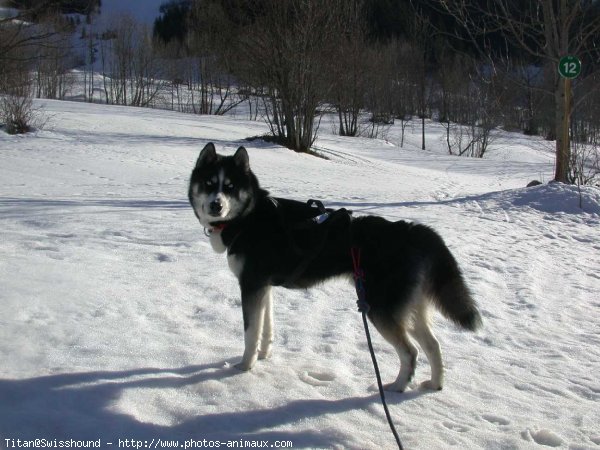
[{"x": 472, "y": 66}]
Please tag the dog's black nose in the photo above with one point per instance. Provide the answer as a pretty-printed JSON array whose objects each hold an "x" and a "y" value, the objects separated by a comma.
[{"x": 215, "y": 207}]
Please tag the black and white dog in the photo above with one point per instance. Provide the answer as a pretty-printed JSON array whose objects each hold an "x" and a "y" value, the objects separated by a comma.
[{"x": 281, "y": 242}]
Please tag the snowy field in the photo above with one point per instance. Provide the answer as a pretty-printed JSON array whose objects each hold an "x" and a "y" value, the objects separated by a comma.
[{"x": 117, "y": 321}]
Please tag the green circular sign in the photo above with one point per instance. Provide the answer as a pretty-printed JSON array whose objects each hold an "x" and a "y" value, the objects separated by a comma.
[{"x": 569, "y": 66}]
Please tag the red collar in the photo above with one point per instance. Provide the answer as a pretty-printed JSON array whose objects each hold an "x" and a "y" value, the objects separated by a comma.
[{"x": 219, "y": 227}]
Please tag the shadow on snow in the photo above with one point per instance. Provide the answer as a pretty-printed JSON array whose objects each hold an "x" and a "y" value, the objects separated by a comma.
[{"x": 78, "y": 406}]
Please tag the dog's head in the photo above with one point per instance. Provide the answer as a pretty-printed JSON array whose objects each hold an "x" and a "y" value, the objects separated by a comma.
[{"x": 222, "y": 188}]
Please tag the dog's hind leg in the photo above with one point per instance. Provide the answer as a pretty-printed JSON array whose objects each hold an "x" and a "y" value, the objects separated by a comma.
[
  {"x": 424, "y": 336},
  {"x": 266, "y": 341},
  {"x": 253, "y": 309},
  {"x": 396, "y": 335}
]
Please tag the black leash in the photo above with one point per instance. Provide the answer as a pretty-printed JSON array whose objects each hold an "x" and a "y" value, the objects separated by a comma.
[{"x": 363, "y": 307}]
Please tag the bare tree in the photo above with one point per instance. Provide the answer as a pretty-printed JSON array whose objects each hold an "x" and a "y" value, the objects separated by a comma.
[
  {"x": 52, "y": 65},
  {"x": 379, "y": 90},
  {"x": 22, "y": 40},
  {"x": 422, "y": 33},
  {"x": 544, "y": 29},
  {"x": 286, "y": 49},
  {"x": 210, "y": 47},
  {"x": 349, "y": 76},
  {"x": 404, "y": 84},
  {"x": 470, "y": 104},
  {"x": 24, "y": 47},
  {"x": 129, "y": 65}
]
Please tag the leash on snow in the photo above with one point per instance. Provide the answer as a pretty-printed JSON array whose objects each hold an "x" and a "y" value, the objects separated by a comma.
[{"x": 363, "y": 308}]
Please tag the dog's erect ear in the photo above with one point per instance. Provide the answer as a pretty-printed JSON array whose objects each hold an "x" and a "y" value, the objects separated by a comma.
[
  {"x": 207, "y": 155},
  {"x": 241, "y": 159}
]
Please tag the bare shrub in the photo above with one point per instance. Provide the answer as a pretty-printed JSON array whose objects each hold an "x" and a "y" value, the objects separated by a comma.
[
  {"x": 585, "y": 164},
  {"x": 17, "y": 114},
  {"x": 467, "y": 140}
]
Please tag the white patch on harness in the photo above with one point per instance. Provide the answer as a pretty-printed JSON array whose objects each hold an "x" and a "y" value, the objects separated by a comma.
[{"x": 321, "y": 218}]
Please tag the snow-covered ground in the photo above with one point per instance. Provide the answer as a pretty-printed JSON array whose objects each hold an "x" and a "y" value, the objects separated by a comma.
[{"x": 117, "y": 321}]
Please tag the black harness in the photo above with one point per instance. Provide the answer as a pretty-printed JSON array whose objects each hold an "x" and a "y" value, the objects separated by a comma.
[{"x": 326, "y": 218}]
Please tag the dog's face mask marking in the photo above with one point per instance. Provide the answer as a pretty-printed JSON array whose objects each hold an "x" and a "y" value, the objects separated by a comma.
[{"x": 219, "y": 186}]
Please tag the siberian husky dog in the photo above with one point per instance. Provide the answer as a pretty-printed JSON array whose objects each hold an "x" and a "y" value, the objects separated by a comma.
[{"x": 280, "y": 242}]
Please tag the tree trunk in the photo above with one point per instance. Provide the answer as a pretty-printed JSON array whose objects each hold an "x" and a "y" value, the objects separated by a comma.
[{"x": 563, "y": 112}]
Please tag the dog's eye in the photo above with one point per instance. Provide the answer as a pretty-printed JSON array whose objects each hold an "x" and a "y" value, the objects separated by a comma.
[
  {"x": 209, "y": 183},
  {"x": 229, "y": 186}
]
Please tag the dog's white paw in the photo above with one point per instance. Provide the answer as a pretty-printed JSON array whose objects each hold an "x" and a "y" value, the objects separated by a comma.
[
  {"x": 265, "y": 354},
  {"x": 394, "y": 387},
  {"x": 431, "y": 385},
  {"x": 244, "y": 366}
]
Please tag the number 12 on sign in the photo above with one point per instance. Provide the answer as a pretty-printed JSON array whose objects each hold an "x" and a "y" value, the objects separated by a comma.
[{"x": 569, "y": 66}]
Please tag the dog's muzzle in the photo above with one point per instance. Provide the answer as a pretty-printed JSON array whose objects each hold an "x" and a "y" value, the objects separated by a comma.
[{"x": 215, "y": 207}]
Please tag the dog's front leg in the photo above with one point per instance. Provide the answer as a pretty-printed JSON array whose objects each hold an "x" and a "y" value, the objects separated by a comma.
[
  {"x": 266, "y": 340},
  {"x": 253, "y": 309}
]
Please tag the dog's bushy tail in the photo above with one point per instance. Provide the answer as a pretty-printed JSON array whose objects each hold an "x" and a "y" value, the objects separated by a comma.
[
  {"x": 447, "y": 288},
  {"x": 455, "y": 302}
]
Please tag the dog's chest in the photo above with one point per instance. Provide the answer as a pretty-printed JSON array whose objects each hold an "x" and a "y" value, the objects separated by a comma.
[
  {"x": 236, "y": 264},
  {"x": 216, "y": 242},
  {"x": 234, "y": 261}
]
